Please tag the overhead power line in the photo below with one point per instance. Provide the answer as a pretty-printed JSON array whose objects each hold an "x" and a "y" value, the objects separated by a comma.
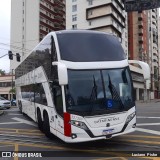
[{"x": 16, "y": 47}]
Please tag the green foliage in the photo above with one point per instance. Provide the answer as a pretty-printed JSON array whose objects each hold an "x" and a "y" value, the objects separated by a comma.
[
  {"x": 13, "y": 91},
  {"x": 2, "y": 72}
]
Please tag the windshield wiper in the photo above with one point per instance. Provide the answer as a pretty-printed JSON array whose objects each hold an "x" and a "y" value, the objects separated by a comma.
[{"x": 115, "y": 95}]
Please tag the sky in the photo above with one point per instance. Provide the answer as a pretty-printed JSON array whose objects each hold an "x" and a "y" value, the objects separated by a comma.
[{"x": 5, "y": 14}]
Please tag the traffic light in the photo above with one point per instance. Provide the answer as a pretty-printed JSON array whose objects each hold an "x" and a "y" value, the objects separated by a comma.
[
  {"x": 10, "y": 54},
  {"x": 18, "y": 57}
]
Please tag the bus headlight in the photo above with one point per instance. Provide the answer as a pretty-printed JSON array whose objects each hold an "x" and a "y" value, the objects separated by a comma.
[
  {"x": 130, "y": 117},
  {"x": 79, "y": 124}
]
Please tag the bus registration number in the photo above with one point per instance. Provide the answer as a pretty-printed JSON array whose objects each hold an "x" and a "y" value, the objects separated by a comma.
[{"x": 106, "y": 132}]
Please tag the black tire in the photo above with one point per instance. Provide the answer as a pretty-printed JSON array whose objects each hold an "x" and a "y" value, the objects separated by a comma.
[
  {"x": 40, "y": 122},
  {"x": 46, "y": 126},
  {"x": 20, "y": 106}
]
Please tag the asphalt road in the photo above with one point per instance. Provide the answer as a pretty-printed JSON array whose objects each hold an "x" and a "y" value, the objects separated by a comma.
[{"x": 20, "y": 133}]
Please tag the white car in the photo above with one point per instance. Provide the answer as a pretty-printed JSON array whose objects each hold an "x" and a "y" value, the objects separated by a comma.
[{"x": 4, "y": 103}]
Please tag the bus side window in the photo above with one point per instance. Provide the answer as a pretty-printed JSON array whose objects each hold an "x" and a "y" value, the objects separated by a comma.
[
  {"x": 57, "y": 94},
  {"x": 53, "y": 50},
  {"x": 40, "y": 96}
]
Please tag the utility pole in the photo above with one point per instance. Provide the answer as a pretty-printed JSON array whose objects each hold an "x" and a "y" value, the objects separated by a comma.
[{"x": 12, "y": 85}]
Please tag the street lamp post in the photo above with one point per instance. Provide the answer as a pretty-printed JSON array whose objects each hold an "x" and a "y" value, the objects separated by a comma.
[{"x": 12, "y": 85}]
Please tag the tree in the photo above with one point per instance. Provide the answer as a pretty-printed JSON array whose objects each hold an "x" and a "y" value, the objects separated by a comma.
[
  {"x": 2, "y": 72},
  {"x": 13, "y": 90}
]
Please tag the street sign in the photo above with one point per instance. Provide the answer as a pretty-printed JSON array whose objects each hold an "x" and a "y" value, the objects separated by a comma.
[{"x": 140, "y": 5}]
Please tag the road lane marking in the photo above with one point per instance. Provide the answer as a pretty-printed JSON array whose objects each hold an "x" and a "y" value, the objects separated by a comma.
[
  {"x": 16, "y": 150},
  {"x": 24, "y": 121},
  {"x": 148, "y": 124},
  {"x": 148, "y": 117},
  {"x": 9, "y": 145},
  {"x": 148, "y": 131},
  {"x": 10, "y": 110},
  {"x": 10, "y": 123},
  {"x": 29, "y": 130},
  {"x": 22, "y": 133},
  {"x": 140, "y": 141},
  {"x": 141, "y": 136},
  {"x": 12, "y": 114}
]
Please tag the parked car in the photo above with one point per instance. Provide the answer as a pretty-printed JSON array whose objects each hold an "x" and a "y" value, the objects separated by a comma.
[
  {"x": 13, "y": 102},
  {"x": 4, "y": 103}
]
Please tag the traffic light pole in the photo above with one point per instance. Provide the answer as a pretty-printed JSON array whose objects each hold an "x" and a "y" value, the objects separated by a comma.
[
  {"x": 10, "y": 54},
  {"x": 3, "y": 56},
  {"x": 12, "y": 85}
]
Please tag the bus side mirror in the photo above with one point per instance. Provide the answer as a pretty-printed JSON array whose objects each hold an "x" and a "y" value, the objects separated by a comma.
[{"x": 62, "y": 74}]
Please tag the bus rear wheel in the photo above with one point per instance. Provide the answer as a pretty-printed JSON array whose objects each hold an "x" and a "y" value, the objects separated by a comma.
[
  {"x": 20, "y": 106},
  {"x": 40, "y": 122},
  {"x": 46, "y": 126}
]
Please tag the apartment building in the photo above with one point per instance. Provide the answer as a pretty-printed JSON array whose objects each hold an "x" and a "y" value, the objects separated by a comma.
[
  {"x": 138, "y": 35},
  {"x": 159, "y": 57},
  {"x": 143, "y": 42},
  {"x": 31, "y": 20},
  {"x": 154, "y": 49},
  {"x": 101, "y": 15}
]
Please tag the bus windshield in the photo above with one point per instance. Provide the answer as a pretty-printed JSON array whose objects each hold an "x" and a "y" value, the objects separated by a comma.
[{"x": 95, "y": 92}]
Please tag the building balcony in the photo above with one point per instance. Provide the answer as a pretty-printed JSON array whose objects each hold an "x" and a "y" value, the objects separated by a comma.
[
  {"x": 155, "y": 40},
  {"x": 120, "y": 3},
  {"x": 154, "y": 15},
  {"x": 140, "y": 23},
  {"x": 155, "y": 58},
  {"x": 140, "y": 39},
  {"x": 140, "y": 16},
  {"x": 155, "y": 46},
  {"x": 141, "y": 47},
  {"x": 155, "y": 52},
  {"x": 140, "y": 31},
  {"x": 155, "y": 62}
]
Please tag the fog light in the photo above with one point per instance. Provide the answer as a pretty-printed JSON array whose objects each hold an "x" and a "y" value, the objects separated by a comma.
[{"x": 73, "y": 136}]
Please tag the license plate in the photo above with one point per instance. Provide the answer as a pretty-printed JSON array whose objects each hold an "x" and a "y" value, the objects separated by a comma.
[{"x": 108, "y": 131}]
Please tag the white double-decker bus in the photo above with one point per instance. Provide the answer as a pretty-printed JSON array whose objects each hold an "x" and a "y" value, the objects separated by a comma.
[{"x": 77, "y": 86}]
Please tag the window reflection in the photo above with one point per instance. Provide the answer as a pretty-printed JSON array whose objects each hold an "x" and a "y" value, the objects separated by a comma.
[
  {"x": 34, "y": 93},
  {"x": 99, "y": 91}
]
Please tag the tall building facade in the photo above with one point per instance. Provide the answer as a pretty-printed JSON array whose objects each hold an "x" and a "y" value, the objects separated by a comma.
[
  {"x": 159, "y": 56},
  {"x": 101, "y": 15},
  {"x": 153, "y": 49},
  {"x": 31, "y": 20},
  {"x": 143, "y": 43},
  {"x": 138, "y": 35}
]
